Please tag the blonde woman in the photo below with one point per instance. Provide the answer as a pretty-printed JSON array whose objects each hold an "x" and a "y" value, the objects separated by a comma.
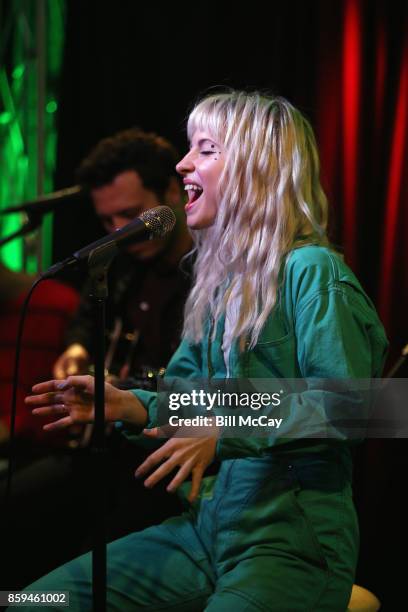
[{"x": 276, "y": 529}]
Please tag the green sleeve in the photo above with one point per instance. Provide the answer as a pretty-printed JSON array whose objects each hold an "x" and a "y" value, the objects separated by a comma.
[
  {"x": 338, "y": 336},
  {"x": 185, "y": 364}
]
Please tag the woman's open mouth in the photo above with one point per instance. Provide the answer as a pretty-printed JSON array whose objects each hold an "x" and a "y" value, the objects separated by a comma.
[{"x": 194, "y": 192}]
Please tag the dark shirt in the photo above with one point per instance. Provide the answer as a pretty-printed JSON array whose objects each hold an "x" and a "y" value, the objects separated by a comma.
[{"x": 148, "y": 297}]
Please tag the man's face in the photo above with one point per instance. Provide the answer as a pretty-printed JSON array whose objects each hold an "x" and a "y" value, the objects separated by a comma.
[{"x": 122, "y": 200}]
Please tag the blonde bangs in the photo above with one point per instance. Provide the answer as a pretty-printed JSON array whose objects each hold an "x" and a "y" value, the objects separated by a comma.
[{"x": 210, "y": 115}]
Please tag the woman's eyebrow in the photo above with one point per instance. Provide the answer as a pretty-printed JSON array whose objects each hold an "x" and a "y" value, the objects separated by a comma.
[
  {"x": 205, "y": 140},
  {"x": 201, "y": 142}
]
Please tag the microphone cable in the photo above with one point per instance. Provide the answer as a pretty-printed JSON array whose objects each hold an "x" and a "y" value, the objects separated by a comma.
[{"x": 11, "y": 458}]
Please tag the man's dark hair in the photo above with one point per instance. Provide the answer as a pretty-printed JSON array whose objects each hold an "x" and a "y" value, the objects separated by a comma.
[{"x": 150, "y": 155}]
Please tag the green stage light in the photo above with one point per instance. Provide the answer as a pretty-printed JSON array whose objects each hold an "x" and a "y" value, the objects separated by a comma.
[
  {"x": 51, "y": 107},
  {"x": 5, "y": 118},
  {"x": 18, "y": 71},
  {"x": 19, "y": 79}
]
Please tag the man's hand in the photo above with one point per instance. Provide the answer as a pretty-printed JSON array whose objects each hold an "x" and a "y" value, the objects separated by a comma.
[
  {"x": 71, "y": 401},
  {"x": 74, "y": 360},
  {"x": 192, "y": 455}
]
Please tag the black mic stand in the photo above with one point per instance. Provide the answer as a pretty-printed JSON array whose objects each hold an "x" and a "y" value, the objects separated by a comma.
[
  {"x": 98, "y": 264},
  {"x": 98, "y": 261},
  {"x": 33, "y": 221}
]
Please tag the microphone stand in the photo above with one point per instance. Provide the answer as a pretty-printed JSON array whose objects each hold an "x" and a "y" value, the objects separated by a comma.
[
  {"x": 98, "y": 264},
  {"x": 99, "y": 255},
  {"x": 31, "y": 224},
  {"x": 36, "y": 209}
]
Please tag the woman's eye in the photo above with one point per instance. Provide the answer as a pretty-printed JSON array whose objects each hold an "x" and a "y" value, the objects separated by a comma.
[{"x": 207, "y": 152}]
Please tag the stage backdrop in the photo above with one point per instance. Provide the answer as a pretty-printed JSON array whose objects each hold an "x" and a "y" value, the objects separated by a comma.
[{"x": 345, "y": 64}]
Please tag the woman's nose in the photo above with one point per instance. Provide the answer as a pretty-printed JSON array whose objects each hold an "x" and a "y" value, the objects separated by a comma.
[{"x": 186, "y": 164}]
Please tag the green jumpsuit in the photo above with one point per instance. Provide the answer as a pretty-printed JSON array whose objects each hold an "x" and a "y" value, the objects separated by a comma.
[{"x": 276, "y": 529}]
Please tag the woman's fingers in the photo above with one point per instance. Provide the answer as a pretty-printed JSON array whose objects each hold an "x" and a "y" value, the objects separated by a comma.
[
  {"x": 45, "y": 399},
  {"x": 164, "y": 431},
  {"x": 53, "y": 410},
  {"x": 191, "y": 456},
  {"x": 161, "y": 472},
  {"x": 183, "y": 473},
  {"x": 85, "y": 382},
  {"x": 68, "y": 401},
  {"x": 70, "y": 391},
  {"x": 151, "y": 461},
  {"x": 49, "y": 385},
  {"x": 60, "y": 424},
  {"x": 151, "y": 433},
  {"x": 197, "y": 476}
]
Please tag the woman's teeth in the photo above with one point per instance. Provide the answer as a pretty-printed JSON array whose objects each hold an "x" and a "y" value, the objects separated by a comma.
[{"x": 194, "y": 192}]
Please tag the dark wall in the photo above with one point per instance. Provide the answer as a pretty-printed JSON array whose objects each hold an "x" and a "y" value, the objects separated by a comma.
[{"x": 132, "y": 63}]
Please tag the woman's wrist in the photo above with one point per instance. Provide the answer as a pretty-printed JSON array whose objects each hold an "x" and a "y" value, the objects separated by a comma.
[{"x": 132, "y": 410}]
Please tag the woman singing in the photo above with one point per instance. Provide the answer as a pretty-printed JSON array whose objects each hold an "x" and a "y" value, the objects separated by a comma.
[{"x": 276, "y": 528}]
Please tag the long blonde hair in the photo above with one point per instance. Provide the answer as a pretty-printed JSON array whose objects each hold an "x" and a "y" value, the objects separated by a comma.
[{"x": 269, "y": 196}]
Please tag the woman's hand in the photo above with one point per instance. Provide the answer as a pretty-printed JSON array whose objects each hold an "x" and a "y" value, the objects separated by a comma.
[
  {"x": 191, "y": 455},
  {"x": 71, "y": 401}
]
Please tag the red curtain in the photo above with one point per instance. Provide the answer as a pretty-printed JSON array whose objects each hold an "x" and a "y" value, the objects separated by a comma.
[{"x": 362, "y": 129}]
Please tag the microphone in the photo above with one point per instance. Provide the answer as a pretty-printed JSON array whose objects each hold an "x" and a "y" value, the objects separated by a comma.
[
  {"x": 46, "y": 203},
  {"x": 153, "y": 223}
]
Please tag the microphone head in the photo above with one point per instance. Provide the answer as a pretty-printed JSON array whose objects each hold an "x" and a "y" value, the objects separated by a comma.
[{"x": 159, "y": 220}]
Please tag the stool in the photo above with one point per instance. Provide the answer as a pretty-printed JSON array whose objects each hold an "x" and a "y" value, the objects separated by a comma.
[{"x": 362, "y": 600}]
